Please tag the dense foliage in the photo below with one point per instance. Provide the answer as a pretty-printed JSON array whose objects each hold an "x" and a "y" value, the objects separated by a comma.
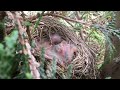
[{"x": 94, "y": 27}]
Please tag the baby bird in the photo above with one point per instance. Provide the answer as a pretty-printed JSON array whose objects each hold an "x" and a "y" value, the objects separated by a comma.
[{"x": 55, "y": 39}]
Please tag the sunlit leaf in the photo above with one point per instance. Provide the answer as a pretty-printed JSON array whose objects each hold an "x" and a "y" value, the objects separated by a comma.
[
  {"x": 99, "y": 66},
  {"x": 108, "y": 78},
  {"x": 28, "y": 75}
]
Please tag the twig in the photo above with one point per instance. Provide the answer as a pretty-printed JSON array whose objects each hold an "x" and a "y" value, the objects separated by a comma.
[
  {"x": 63, "y": 17},
  {"x": 28, "y": 32},
  {"x": 77, "y": 15}
]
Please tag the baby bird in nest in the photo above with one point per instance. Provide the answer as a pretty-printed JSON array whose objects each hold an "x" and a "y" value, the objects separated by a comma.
[{"x": 55, "y": 39}]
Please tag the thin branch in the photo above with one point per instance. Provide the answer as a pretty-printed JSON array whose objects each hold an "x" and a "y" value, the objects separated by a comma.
[
  {"x": 28, "y": 32},
  {"x": 77, "y": 15},
  {"x": 26, "y": 50},
  {"x": 63, "y": 17}
]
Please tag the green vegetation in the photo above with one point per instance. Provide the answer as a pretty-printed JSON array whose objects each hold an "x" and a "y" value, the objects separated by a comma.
[{"x": 96, "y": 28}]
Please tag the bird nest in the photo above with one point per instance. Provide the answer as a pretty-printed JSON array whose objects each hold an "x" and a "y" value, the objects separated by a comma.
[{"x": 83, "y": 65}]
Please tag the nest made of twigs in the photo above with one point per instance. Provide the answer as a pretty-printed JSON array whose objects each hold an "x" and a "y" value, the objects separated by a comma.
[{"x": 84, "y": 66}]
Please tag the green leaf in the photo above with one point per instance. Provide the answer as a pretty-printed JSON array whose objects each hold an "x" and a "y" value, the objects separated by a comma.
[
  {"x": 1, "y": 47},
  {"x": 69, "y": 71},
  {"x": 33, "y": 43},
  {"x": 37, "y": 22},
  {"x": 27, "y": 23},
  {"x": 11, "y": 40},
  {"x": 14, "y": 35},
  {"x": 54, "y": 67},
  {"x": 2, "y": 26},
  {"x": 28, "y": 75},
  {"x": 99, "y": 66},
  {"x": 108, "y": 77}
]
